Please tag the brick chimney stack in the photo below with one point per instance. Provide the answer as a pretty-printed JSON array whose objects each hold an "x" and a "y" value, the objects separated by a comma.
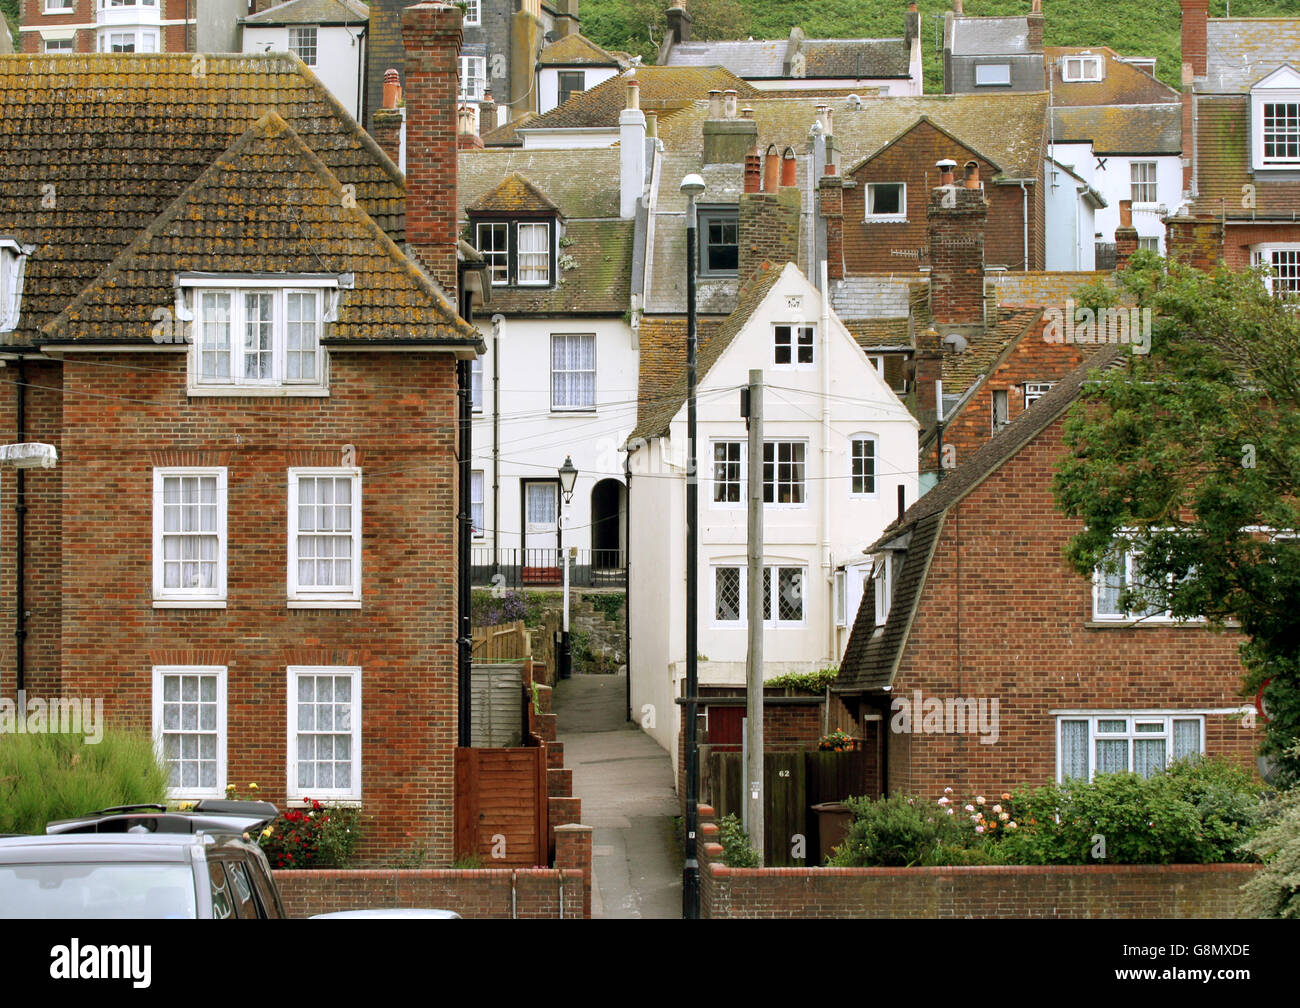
[
  {"x": 1126, "y": 235},
  {"x": 1195, "y": 15},
  {"x": 912, "y": 25},
  {"x": 386, "y": 124},
  {"x": 431, "y": 34},
  {"x": 1034, "y": 21},
  {"x": 955, "y": 220},
  {"x": 831, "y": 188},
  {"x": 927, "y": 373}
]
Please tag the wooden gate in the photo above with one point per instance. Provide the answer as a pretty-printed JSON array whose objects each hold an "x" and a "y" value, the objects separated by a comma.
[
  {"x": 500, "y": 808},
  {"x": 792, "y": 783},
  {"x": 506, "y": 642}
]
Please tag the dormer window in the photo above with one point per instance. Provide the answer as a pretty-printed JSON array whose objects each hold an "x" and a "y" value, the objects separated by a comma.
[
  {"x": 1081, "y": 68},
  {"x": 882, "y": 583},
  {"x": 12, "y": 261},
  {"x": 258, "y": 335},
  {"x": 518, "y": 253},
  {"x": 1275, "y": 121}
]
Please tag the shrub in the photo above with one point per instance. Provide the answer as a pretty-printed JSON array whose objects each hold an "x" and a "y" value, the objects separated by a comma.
[
  {"x": 1274, "y": 891},
  {"x": 44, "y": 777},
  {"x": 897, "y": 832},
  {"x": 737, "y": 852},
  {"x": 317, "y": 837}
]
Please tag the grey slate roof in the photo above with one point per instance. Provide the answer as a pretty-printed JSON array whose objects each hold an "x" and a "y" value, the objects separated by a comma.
[
  {"x": 872, "y": 655},
  {"x": 1121, "y": 129},
  {"x": 1240, "y": 51},
  {"x": 870, "y": 297},
  {"x": 744, "y": 59},
  {"x": 990, "y": 36},
  {"x": 310, "y": 12},
  {"x": 823, "y": 58}
]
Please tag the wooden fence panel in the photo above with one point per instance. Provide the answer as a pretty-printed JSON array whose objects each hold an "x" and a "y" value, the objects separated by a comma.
[
  {"x": 785, "y": 809},
  {"x": 500, "y": 806},
  {"x": 506, "y": 642},
  {"x": 496, "y": 705}
]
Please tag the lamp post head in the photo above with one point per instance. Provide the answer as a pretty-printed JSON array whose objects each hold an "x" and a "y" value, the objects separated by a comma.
[
  {"x": 568, "y": 477},
  {"x": 692, "y": 185}
]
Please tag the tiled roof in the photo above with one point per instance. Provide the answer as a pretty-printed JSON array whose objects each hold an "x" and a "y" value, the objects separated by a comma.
[
  {"x": 1121, "y": 83},
  {"x": 1050, "y": 288},
  {"x": 872, "y": 334},
  {"x": 1223, "y": 165},
  {"x": 290, "y": 215},
  {"x": 514, "y": 194},
  {"x": 117, "y": 138},
  {"x": 961, "y": 370},
  {"x": 656, "y": 415},
  {"x": 564, "y": 178},
  {"x": 1122, "y": 129},
  {"x": 310, "y": 12},
  {"x": 662, "y": 89},
  {"x": 871, "y": 657},
  {"x": 661, "y": 355},
  {"x": 576, "y": 50},
  {"x": 507, "y": 134},
  {"x": 990, "y": 36},
  {"x": 598, "y": 280},
  {"x": 1241, "y": 51}
]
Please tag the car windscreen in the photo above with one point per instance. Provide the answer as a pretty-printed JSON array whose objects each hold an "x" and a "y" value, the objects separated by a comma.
[{"x": 107, "y": 889}]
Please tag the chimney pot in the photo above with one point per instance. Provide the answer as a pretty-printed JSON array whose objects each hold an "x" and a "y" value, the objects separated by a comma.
[
  {"x": 633, "y": 93},
  {"x": 652, "y": 124},
  {"x": 747, "y": 113},
  {"x": 729, "y": 103},
  {"x": 715, "y": 104},
  {"x": 789, "y": 167},
  {"x": 753, "y": 171},
  {"x": 771, "y": 169},
  {"x": 392, "y": 89},
  {"x": 972, "y": 175},
  {"x": 1125, "y": 213},
  {"x": 956, "y": 8},
  {"x": 946, "y": 171}
]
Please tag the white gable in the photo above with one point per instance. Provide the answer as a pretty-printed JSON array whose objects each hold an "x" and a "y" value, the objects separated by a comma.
[{"x": 1284, "y": 78}]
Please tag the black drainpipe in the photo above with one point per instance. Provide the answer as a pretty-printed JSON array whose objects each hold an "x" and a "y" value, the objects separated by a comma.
[
  {"x": 20, "y": 513},
  {"x": 627, "y": 582}
]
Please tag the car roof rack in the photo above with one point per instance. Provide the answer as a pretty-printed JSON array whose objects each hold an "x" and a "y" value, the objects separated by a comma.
[{"x": 213, "y": 816}]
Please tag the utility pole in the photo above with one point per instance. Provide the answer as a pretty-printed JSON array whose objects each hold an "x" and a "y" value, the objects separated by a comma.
[{"x": 753, "y": 804}]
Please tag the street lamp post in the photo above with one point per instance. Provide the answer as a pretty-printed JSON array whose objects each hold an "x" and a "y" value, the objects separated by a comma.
[
  {"x": 568, "y": 477},
  {"x": 692, "y": 186}
]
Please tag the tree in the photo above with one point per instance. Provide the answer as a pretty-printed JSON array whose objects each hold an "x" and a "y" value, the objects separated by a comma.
[
  {"x": 1192, "y": 453},
  {"x": 638, "y": 26}
]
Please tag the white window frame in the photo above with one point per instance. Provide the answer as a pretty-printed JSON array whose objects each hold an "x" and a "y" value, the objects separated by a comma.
[
  {"x": 1036, "y": 390},
  {"x": 874, "y": 217},
  {"x": 297, "y": 40},
  {"x": 53, "y": 45},
  {"x": 143, "y": 40},
  {"x": 473, "y": 78},
  {"x": 993, "y": 74},
  {"x": 841, "y": 598},
  {"x": 195, "y": 288},
  {"x": 1148, "y": 243},
  {"x": 300, "y": 597},
  {"x": 1130, "y": 734},
  {"x": 1149, "y": 185},
  {"x": 583, "y": 407},
  {"x": 545, "y": 227},
  {"x": 1259, "y": 100},
  {"x": 803, "y": 483},
  {"x": 1088, "y": 68},
  {"x": 742, "y": 502},
  {"x": 882, "y": 580},
  {"x": 796, "y": 332},
  {"x": 13, "y": 262},
  {"x": 1262, "y": 255},
  {"x": 60, "y": 7},
  {"x": 477, "y": 476},
  {"x": 1129, "y": 618},
  {"x": 772, "y": 572},
  {"x": 1003, "y": 397},
  {"x": 295, "y": 795},
  {"x": 473, "y": 13},
  {"x": 854, "y": 441},
  {"x": 160, "y": 672},
  {"x": 476, "y": 385},
  {"x": 182, "y": 598},
  {"x": 498, "y": 259}
]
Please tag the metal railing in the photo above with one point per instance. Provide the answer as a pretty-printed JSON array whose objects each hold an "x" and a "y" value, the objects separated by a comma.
[{"x": 544, "y": 568}]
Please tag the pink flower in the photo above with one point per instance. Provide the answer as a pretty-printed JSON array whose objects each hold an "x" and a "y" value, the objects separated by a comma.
[
  {"x": 1011, "y": 825},
  {"x": 970, "y": 808},
  {"x": 979, "y": 829},
  {"x": 947, "y": 790},
  {"x": 979, "y": 800},
  {"x": 948, "y": 810},
  {"x": 997, "y": 808},
  {"x": 944, "y": 801}
]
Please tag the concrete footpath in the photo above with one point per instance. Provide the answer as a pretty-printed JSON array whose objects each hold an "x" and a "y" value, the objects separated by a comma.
[{"x": 625, "y": 782}]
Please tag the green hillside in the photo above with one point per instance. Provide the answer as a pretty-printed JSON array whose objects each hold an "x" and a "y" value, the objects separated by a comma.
[
  {"x": 1131, "y": 27},
  {"x": 9, "y": 13}
]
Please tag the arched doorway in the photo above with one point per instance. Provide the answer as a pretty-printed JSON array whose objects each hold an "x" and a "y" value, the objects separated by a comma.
[{"x": 608, "y": 516}]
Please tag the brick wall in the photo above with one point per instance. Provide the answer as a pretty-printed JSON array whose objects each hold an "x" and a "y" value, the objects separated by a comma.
[
  {"x": 1175, "y": 892},
  {"x": 1238, "y": 238},
  {"x": 956, "y": 242},
  {"x": 526, "y": 893},
  {"x": 120, "y": 420},
  {"x": 32, "y": 15},
  {"x": 871, "y": 247},
  {"x": 1002, "y": 618},
  {"x": 1195, "y": 242}
]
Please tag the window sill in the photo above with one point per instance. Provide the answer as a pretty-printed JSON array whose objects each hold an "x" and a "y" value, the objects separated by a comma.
[
  {"x": 268, "y": 391},
  {"x": 323, "y": 604},
  {"x": 298, "y": 803},
  {"x": 189, "y": 603},
  {"x": 575, "y": 410},
  {"x": 893, "y": 219},
  {"x": 1138, "y": 624}
]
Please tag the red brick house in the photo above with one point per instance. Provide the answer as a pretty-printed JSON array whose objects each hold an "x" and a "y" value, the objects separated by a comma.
[
  {"x": 249, "y": 544},
  {"x": 979, "y": 661},
  {"x": 1241, "y": 110}
]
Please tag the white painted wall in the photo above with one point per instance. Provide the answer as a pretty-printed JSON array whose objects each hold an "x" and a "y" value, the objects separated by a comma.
[
  {"x": 860, "y": 402},
  {"x": 338, "y": 58},
  {"x": 1115, "y": 183},
  {"x": 548, "y": 83},
  {"x": 1070, "y": 222},
  {"x": 535, "y": 439}
]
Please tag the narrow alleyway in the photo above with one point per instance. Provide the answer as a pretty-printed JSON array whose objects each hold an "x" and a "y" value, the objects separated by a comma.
[{"x": 625, "y": 782}]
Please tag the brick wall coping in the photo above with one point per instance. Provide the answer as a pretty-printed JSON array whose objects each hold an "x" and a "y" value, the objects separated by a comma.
[
  {"x": 421, "y": 873},
  {"x": 947, "y": 870}
]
